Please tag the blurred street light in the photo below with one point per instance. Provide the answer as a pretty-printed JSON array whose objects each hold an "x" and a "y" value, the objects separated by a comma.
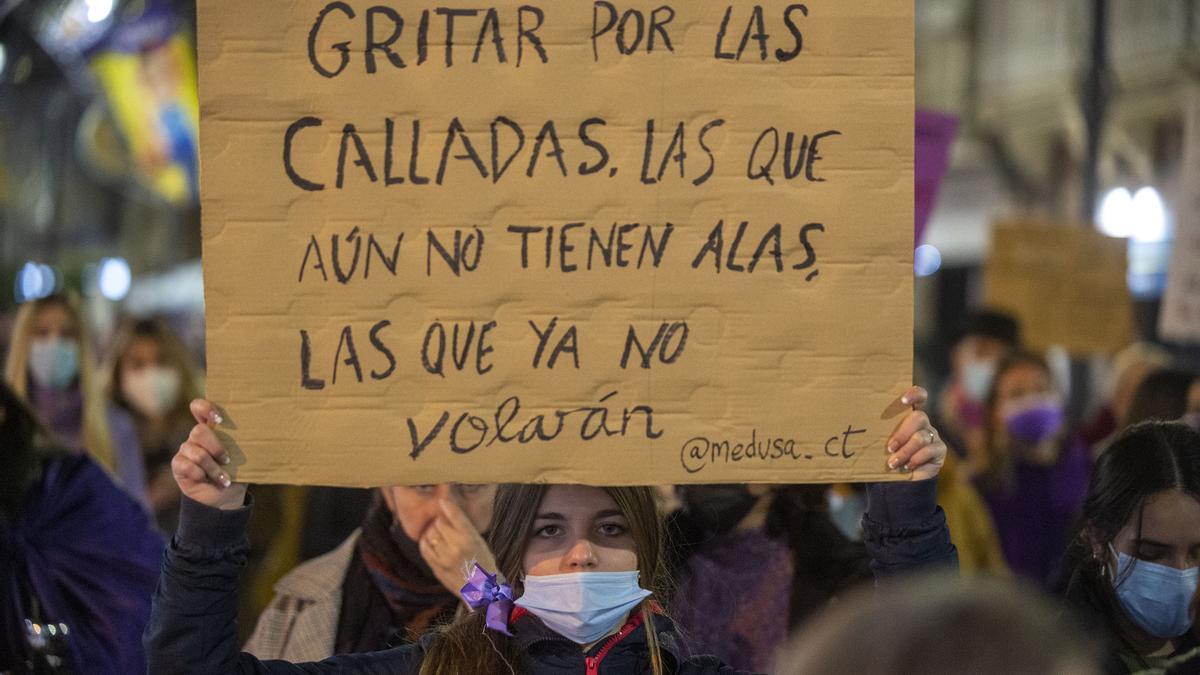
[
  {"x": 98, "y": 10},
  {"x": 35, "y": 280},
  {"x": 927, "y": 260},
  {"x": 1116, "y": 213},
  {"x": 1150, "y": 218},
  {"x": 1139, "y": 216},
  {"x": 114, "y": 278}
]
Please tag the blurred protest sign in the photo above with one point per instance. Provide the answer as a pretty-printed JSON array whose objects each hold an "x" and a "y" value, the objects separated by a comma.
[
  {"x": 1065, "y": 283},
  {"x": 569, "y": 242},
  {"x": 934, "y": 137},
  {"x": 1179, "y": 319}
]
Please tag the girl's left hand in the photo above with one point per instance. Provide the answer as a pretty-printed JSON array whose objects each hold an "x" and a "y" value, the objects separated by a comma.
[{"x": 915, "y": 445}]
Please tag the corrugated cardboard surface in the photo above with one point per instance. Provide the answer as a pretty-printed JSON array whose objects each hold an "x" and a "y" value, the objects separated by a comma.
[
  {"x": 783, "y": 362},
  {"x": 1064, "y": 282}
]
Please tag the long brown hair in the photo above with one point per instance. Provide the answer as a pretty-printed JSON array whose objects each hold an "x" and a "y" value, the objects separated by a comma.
[
  {"x": 467, "y": 646},
  {"x": 97, "y": 438},
  {"x": 174, "y": 353}
]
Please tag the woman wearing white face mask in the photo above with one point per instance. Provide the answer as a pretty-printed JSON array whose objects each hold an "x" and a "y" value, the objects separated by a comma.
[
  {"x": 50, "y": 366},
  {"x": 1138, "y": 549},
  {"x": 150, "y": 376},
  {"x": 583, "y": 566}
]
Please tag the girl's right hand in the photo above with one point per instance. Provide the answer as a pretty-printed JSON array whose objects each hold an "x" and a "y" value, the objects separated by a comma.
[{"x": 198, "y": 467}]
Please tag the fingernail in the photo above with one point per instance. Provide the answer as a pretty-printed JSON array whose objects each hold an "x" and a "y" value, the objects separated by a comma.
[
  {"x": 892, "y": 463},
  {"x": 892, "y": 446},
  {"x": 226, "y": 460},
  {"x": 904, "y": 399},
  {"x": 225, "y": 480},
  {"x": 215, "y": 417},
  {"x": 905, "y": 468}
]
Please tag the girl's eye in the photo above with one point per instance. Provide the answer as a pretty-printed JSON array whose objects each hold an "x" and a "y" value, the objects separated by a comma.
[
  {"x": 611, "y": 529},
  {"x": 1150, "y": 556},
  {"x": 548, "y": 531}
]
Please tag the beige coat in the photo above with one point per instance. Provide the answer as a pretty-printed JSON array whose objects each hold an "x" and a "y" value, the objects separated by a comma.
[{"x": 301, "y": 622}]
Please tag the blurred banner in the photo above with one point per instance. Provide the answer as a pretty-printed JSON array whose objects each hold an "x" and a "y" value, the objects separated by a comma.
[
  {"x": 1179, "y": 320},
  {"x": 148, "y": 71},
  {"x": 1065, "y": 283},
  {"x": 935, "y": 135}
]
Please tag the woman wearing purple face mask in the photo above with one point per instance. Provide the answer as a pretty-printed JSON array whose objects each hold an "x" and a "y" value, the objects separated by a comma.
[{"x": 1034, "y": 471}]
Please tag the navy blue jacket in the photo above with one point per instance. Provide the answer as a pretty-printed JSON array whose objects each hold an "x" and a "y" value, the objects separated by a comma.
[{"x": 193, "y": 630}]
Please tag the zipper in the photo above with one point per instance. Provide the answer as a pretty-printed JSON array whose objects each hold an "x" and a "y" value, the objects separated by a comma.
[{"x": 593, "y": 662}]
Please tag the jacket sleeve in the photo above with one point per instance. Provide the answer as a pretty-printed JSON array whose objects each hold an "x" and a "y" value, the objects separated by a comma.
[{"x": 905, "y": 530}]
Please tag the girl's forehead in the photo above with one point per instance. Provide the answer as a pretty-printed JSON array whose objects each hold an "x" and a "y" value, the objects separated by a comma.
[
  {"x": 1168, "y": 517},
  {"x": 576, "y": 499}
]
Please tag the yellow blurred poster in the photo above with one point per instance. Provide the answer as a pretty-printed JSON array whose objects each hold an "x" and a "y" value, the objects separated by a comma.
[{"x": 147, "y": 69}]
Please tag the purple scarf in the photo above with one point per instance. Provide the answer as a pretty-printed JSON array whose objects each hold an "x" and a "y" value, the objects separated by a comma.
[{"x": 87, "y": 554}]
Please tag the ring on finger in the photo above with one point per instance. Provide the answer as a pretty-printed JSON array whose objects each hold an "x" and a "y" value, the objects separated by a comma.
[{"x": 932, "y": 436}]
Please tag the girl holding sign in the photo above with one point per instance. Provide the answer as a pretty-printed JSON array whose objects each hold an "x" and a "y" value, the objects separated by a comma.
[{"x": 577, "y": 572}]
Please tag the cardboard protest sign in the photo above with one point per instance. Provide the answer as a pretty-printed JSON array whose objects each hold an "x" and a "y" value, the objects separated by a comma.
[
  {"x": 1180, "y": 316},
  {"x": 1065, "y": 283},
  {"x": 575, "y": 242}
]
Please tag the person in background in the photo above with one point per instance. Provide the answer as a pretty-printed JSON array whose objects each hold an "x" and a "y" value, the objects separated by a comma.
[
  {"x": 380, "y": 584},
  {"x": 984, "y": 339},
  {"x": 151, "y": 376},
  {"x": 78, "y": 557},
  {"x": 577, "y": 571},
  {"x": 1137, "y": 550},
  {"x": 941, "y": 625},
  {"x": 1034, "y": 472},
  {"x": 50, "y": 366},
  {"x": 972, "y": 529},
  {"x": 1162, "y": 395},
  {"x": 745, "y": 552},
  {"x": 330, "y": 515},
  {"x": 1130, "y": 366}
]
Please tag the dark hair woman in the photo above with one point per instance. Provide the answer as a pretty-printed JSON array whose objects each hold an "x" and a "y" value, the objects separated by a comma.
[
  {"x": 1138, "y": 549},
  {"x": 583, "y": 566},
  {"x": 78, "y": 558},
  {"x": 1163, "y": 395}
]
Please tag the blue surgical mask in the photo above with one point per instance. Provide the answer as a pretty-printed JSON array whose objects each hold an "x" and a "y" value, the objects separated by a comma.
[
  {"x": 582, "y": 606},
  {"x": 1156, "y": 597},
  {"x": 977, "y": 379},
  {"x": 53, "y": 362}
]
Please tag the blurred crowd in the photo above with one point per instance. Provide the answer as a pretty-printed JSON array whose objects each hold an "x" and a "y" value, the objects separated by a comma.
[{"x": 1029, "y": 494}]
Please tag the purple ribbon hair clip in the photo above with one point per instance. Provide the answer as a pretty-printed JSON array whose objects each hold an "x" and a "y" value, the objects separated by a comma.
[{"x": 482, "y": 590}]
